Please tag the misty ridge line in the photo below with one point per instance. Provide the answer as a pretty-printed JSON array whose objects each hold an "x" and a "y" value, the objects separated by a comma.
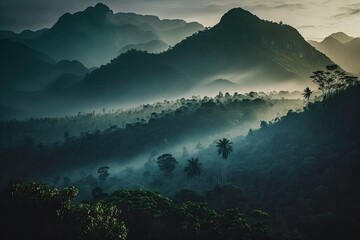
[
  {"x": 107, "y": 120},
  {"x": 260, "y": 54},
  {"x": 163, "y": 129}
]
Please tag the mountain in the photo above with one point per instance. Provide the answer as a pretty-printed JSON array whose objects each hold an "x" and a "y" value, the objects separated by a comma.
[
  {"x": 341, "y": 37},
  {"x": 255, "y": 54},
  {"x": 95, "y": 36},
  {"x": 222, "y": 83},
  {"x": 24, "y": 35},
  {"x": 304, "y": 169},
  {"x": 172, "y": 36},
  {"x": 249, "y": 50},
  {"x": 219, "y": 85},
  {"x": 342, "y": 49},
  {"x": 170, "y": 31},
  {"x": 23, "y": 68},
  {"x": 154, "y": 46},
  {"x": 354, "y": 44}
]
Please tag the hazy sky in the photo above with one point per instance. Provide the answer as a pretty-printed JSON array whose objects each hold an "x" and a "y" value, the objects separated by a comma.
[{"x": 314, "y": 19}]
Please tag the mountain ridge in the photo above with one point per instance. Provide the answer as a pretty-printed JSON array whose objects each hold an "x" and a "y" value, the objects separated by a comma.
[
  {"x": 23, "y": 68},
  {"x": 95, "y": 36},
  {"x": 184, "y": 64},
  {"x": 343, "y": 50}
]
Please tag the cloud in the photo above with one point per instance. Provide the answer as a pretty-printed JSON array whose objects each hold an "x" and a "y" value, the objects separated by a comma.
[
  {"x": 286, "y": 6},
  {"x": 216, "y": 7},
  {"x": 308, "y": 26},
  {"x": 349, "y": 11},
  {"x": 290, "y": 6}
]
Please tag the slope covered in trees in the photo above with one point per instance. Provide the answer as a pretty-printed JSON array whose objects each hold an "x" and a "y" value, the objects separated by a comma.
[
  {"x": 304, "y": 169},
  {"x": 47, "y": 143},
  {"x": 41, "y": 212},
  {"x": 23, "y": 68},
  {"x": 301, "y": 168}
]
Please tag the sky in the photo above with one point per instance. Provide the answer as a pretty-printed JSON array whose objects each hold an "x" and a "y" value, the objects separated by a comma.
[{"x": 314, "y": 19}]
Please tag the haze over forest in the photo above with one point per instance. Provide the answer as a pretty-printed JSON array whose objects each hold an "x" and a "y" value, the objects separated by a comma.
[{"x": 118, "y": 124}]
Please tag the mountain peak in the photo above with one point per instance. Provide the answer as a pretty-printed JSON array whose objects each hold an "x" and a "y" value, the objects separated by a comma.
[
  {"x": 99, "y": 8},
  {"x": 341, "y": 37},
  {"x": 330, "y": 39},
  {"x": 94, "y": 14},
  {"x": 238, "y": 16}
]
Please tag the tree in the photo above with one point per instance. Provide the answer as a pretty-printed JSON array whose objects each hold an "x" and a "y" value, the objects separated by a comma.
[
  {"x": 35, "y": 211},
  {"x": 192, "y": 169},
  {"x": 224, "y": 148},
  {"x": 307, "y": 93},
  {"x": 333, "y": 80},
  {"x": 103, "y": 173},
  {"x": 263, "y": 124},
  {"x": 167, "y": 164}
]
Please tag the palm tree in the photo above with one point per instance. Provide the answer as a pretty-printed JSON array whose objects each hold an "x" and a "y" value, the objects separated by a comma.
[
  {"x": 307, "y": 93},
  {"x": 192, "y": 169},
  {"x": 224, "y": 148}
]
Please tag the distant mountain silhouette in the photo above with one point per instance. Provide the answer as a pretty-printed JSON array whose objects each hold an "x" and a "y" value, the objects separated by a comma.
[
  {"x": 219, "y": 85},
  {"x": 241, "y": 48},
  {"x": 154, "y": 46},
  {"x": 222, "y": 82},
  {"x": 169, "y": 31},
  {"x": 23, "y": 36},
  {"x": 241, "y": 44},
  {"x": 61, "y": 83},
  {"x": 354, "y": 44},
  {"x": 23, "y": 68},
  {"x": 341, "y": 37},
  {"x": 342, "y": 49},
  {"x": 95, "y": 36}
]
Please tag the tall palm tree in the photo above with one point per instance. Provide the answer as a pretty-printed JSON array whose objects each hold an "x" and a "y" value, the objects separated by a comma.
[
  {"x": 192, "y": 169},
  {"x": 224, "y": 148},
  {"x": 307, "y": 93}
]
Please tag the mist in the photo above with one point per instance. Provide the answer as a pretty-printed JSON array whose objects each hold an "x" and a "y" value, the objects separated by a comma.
[{"x": 119, "y": 124}]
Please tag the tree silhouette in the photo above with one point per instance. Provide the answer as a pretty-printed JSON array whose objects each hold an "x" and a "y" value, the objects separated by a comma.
[
  {"x": 224, "y": 148},
  {"x": 103, "y": 173},
  {"x": 333, "y": 80},
  {"x": 192, "y": 169},
  {"x": 167, "y": 164},
  {"x": 307, "y": 93}
]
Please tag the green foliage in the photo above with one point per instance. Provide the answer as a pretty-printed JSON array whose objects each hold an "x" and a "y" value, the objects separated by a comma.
[
  {"x": 144, "y": 129},
  {"x": 95, "y": 221},
  {"x": 259, "y": 222},
  {"x": 34, "y": 211},
  {"x": 304, "y": 169},
  {"x": 225, "y": 197},
  {"x": 150, "y": 216}
]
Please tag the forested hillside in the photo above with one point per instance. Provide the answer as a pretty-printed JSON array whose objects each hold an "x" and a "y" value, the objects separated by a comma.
[
  {"x": 67, "y": 143},
  {"x": 128, "y": 126}
]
